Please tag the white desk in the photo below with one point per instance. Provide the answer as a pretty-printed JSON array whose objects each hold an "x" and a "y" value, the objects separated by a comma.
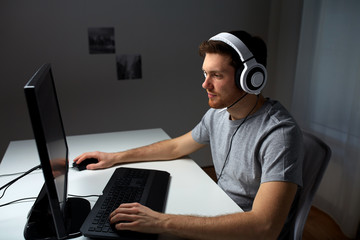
[{"x": 191, "y": 191}]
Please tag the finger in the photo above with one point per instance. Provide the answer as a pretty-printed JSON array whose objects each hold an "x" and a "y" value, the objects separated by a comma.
[
  {"x": 99, "y": 165},
  {"x": 77, "y": 158},
  {"x": 125, "y": 208},
  {"x": 94, "y": 166},
  {"x": 129, "y": 225},
  {"x": 80, "y": 158},
  {"x": 84, "y": 156},
  {"x": 130, "y": 205},
  {"x": 123, "y": 217}
]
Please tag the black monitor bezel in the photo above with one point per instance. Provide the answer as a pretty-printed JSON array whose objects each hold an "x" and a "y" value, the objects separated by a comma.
[{"x": 31, "y": 93}]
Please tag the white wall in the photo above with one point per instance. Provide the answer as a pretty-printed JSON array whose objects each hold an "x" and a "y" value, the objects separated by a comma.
[{"x": 165, "y": 33}]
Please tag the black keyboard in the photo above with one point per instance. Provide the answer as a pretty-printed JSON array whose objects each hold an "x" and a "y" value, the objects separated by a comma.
[{"x": 126, "y": 185}]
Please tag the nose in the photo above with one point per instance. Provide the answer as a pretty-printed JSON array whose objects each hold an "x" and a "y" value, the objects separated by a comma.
[{"x": 207, "y": 83}]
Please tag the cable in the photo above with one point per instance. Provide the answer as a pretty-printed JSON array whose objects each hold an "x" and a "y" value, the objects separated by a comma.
[
  {"x": 7, "y": 185},
  {"x": 11, "y": 174},
  {"x": 233, "y": 135},
  {"x": 34, "y": 198},
  {"x": 24, "y": 174},
  {"x": 237, "y": 101},
  {"x": 2, "y": 195},
  {"x": 84, "y": 196},
  {"x": 18, "y": 200}
]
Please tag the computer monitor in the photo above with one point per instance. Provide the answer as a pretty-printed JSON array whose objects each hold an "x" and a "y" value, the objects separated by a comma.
[{"x": 53, "y": 215}]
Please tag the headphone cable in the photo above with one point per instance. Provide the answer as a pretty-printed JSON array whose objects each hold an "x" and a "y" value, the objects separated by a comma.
[
  {"x": 232, "y": 138},
  {"x": 237, "y": 101}
]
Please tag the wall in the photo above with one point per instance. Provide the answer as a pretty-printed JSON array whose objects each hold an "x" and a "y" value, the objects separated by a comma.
[
  {"x": 165, "y": 33},
  {"x": 283, "y": 41}
]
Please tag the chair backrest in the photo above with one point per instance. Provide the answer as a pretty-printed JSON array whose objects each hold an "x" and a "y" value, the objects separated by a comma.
[{"x": 316, "y": 158}]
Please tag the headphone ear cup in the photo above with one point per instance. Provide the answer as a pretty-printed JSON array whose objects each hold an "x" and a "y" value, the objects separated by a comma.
[{"x": 253, "y": 77}]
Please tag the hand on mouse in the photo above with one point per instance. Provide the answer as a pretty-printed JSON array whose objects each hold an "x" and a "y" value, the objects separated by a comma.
[{"x": 105, "y": 160}]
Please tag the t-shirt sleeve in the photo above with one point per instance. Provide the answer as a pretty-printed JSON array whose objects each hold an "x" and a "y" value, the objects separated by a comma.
[{"x": 201, "y": 132}]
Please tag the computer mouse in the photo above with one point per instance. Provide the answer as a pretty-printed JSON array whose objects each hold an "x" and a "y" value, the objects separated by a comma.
[{"x": 82, "y": 166}]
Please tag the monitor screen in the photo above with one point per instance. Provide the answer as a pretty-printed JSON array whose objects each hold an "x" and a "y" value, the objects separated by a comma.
[
  {"x": 48, "y": 131},
  {"x": 53, "y": 215},
  {"x": 49, "y": 135}
]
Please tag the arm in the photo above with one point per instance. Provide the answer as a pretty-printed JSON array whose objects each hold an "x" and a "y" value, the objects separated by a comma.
[
  {"x": 265, "y": 220},
  {"x": 163, "y": 150}
]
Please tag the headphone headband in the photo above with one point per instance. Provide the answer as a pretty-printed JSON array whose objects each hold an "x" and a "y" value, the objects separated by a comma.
[
  {"x": 235, "y": 43},
  {"x": 253, "y": 77}
]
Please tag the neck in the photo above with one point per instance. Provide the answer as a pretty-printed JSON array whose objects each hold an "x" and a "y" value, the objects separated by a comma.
[
  {"x": 242, "y": 109},
  {"x": 244, "y": 95}
]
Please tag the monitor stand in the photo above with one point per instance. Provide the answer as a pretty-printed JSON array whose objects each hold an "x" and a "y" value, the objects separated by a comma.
[{"x": 40, "y": 224}]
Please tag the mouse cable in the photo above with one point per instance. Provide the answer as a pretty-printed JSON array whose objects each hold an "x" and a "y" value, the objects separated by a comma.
[
  {"x": 83, "y": 196},
  {"x": 14, "y": 180}
]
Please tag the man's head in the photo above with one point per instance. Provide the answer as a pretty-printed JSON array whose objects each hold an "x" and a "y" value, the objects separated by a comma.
[{"x": 236, "y": 50}]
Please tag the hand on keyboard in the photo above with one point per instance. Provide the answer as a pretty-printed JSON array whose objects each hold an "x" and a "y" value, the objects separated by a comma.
[{"x": 136, "y": 217}]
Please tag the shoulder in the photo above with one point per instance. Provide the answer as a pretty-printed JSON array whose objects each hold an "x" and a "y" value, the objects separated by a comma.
[
  {"x": 274, "y": 116},
  {"x": 275, "y": 125},
  {"x": 277, "y": 112}
]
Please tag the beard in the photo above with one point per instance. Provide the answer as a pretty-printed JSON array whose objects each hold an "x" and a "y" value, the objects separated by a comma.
[
  {"x": 219, "y": 103},
  {"x": 216, "y": 104}
]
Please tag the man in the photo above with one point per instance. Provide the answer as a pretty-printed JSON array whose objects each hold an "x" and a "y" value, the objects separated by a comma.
[{"x": 256, "y": 148}]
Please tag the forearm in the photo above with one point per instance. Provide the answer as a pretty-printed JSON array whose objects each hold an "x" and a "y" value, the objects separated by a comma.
[
  {"x": 264, "y": 221},
  {"x": 163, "y": 150},
  {"x": 234, "y": 226},
  {"x": 136, "y": 217}
]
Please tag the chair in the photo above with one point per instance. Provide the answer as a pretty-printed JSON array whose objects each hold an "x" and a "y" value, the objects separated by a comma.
[{"x": 316, "y": 158}]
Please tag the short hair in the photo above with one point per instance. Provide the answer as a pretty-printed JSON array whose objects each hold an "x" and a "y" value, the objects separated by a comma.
[{"x": 255, "y": 44}]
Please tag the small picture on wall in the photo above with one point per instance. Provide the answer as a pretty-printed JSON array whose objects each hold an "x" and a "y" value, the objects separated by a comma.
[
  {"x": 101, "y": 40},
  {"x": 128, "y": 66}
]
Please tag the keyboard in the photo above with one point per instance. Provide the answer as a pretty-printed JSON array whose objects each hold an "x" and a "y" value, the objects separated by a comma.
[{"x": 126, "y": 185}]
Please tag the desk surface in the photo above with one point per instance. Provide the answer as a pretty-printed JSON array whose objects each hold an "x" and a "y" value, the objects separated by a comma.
[{"x": 191, "y": 191}]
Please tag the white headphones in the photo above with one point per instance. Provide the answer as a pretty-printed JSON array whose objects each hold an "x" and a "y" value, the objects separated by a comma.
[{"x": 253, "y": 77}]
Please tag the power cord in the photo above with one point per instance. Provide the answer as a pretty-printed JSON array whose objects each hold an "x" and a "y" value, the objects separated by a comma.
[
  {"x": 34, "y": 198},
  {"x": 11, "y": 174},
  {"x": 7, "y": 185},
  {"x": 83, "y": 196},
  {"x": 17, "y": 200}
]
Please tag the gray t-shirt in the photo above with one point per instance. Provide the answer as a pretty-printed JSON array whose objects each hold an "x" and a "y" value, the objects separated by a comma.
[{"x": 266, "y": 147}]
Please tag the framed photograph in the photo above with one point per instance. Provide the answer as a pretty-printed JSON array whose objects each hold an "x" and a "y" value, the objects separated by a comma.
[
  {"x": 101, "y": 40},
  {"x": 128, "y": 66}
]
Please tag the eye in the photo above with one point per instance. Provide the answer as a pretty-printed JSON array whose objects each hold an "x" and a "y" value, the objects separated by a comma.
[
  {"x": 205, "y": 74},
  {"x": 217, "y": 75}
]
